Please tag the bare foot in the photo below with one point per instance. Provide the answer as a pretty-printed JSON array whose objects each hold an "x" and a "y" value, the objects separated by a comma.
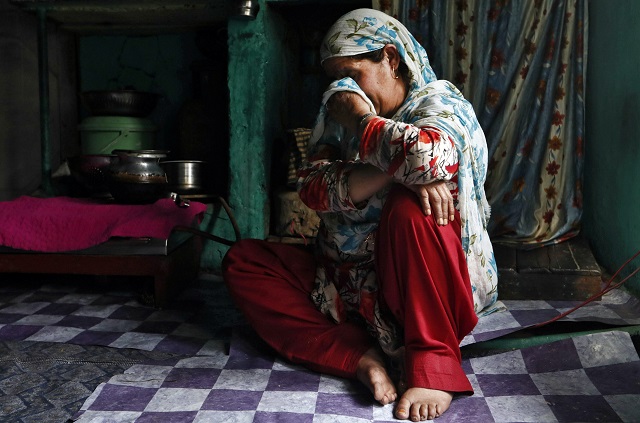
[
  {"x": 422, "y": 404},
  {"x": 372, "y": 372}
]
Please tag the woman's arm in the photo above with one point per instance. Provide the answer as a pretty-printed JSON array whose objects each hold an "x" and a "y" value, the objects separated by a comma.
[
  {"x": 327, "y": 183},
  {"x": 365, "y": 180},
  {"x": 413, "y": 155},
  {"x": 362, "y": 182}
]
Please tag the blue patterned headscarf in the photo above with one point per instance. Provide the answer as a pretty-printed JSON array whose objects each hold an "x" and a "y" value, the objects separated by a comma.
[{"x": 364, "y": 30}]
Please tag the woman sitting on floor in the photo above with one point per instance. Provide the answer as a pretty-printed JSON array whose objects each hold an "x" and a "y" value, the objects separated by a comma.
[{"x": 403, "y": 262}]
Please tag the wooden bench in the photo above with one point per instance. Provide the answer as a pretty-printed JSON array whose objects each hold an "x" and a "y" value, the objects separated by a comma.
[{"x": 170, "y": 263}]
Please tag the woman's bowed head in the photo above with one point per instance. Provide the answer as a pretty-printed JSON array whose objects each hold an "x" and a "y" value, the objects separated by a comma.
[
  {"x": 402, "y": 263},
  {"x": 378, "y": 75}
]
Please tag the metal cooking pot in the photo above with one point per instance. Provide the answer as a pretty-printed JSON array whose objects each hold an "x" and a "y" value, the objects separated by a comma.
[
  {"x": 136, "y": 177},
  {"x": 186, "y": 176},
  {"x": 138, "y": 162}
]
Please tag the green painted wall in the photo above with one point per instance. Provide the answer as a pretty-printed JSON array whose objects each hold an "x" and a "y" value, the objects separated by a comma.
[
  {"x": 258, "y": 74},
  {"x": 612, "y": 156}
]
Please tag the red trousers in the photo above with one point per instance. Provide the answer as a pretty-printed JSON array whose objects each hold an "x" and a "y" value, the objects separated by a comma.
[{"x": 423, "y": 280}]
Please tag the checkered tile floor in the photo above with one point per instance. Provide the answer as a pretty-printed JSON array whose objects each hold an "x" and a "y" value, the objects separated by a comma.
[
  {"x": 592, "y": 378},
  {"x": 90, "y": 315}
]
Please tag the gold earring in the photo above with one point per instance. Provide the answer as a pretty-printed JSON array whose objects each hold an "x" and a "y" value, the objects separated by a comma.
[{"x": 395, "y": 75}]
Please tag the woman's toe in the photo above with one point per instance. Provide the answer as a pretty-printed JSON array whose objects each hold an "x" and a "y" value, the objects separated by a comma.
[{"x": 402, "y": 409}]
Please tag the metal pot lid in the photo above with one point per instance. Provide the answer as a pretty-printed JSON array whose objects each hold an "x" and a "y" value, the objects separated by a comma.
[{"x": 143, "y": 154}]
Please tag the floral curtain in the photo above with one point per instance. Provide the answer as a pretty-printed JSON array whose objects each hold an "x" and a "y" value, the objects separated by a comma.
[{"x": 522, "y": 64}]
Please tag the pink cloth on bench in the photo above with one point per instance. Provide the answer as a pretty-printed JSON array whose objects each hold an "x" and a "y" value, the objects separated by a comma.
[{"x": 68, "y": 224}]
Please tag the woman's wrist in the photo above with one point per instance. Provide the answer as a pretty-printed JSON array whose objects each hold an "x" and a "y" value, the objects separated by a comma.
[
  {"x": 365, "y": 180},
  {"x": 362, "y": 121}
]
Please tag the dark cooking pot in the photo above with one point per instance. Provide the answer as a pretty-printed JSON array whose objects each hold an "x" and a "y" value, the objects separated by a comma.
[
  {"x": 132, "y": 190},
  {"x": 136, "y": 177},
  {"x": 186, "y": 176}
]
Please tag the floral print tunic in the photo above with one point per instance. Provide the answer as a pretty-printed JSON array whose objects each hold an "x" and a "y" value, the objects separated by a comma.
[{"x": 434, "y": 136}]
